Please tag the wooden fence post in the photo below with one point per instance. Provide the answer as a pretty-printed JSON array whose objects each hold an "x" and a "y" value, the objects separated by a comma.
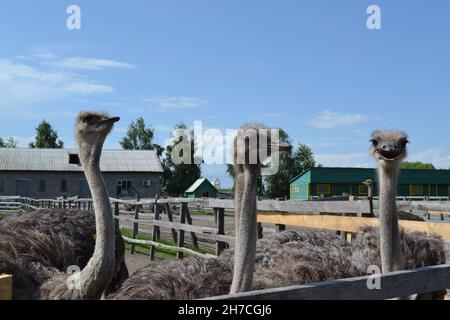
[
  {"x": 116, "y": 213},
  {"x": 169, "y": 215},
  {"x": 260, "y": 230},
  {"x": 220, "y": 218},
  {"x": 155, "y": 232},
  {"x": 5, "y": 287},
  {"x": 189, "y": 221},
  {"x": 183, "y": 209},
  {"x": 135, "y": 227}
]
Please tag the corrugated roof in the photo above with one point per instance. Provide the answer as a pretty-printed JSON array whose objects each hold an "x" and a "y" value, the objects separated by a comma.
[
  {"x": 357, "y": 175},
  {"x": 196, "y": 184},
  {"x": 58, "y": 160}
]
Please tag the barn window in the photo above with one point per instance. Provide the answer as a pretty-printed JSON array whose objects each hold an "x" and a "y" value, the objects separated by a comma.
[
  {"x": 74, "y": 159},
  {"x": 296, "y": 189},
  {"x": 123, "y": 186},
  {"x": 1, "y": 185},
  {"x": 63, "y": 186},
  {"x": 323, "y": 189},
  {"x": 363, "y": 190},
  {"x": 42, "y": 185},
  {"x": 416, "y": 190},
  {"x": 205, "y": 194},
  {"x": 146, "y": 183}
]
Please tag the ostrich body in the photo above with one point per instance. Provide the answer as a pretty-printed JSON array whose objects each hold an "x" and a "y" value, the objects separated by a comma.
[
  {"x": 284, "y": 259},
  {"x": 389, "y": 149},
  {"x": 41, "y": 269},
  {"x": 79, "y": 227}
]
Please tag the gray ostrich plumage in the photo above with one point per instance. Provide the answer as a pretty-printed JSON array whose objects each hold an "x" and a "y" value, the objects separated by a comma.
[
  {"x": 36, "y": 252},
  {"x": 284, "y": 259},
  {"x": 76, "y": 226}
]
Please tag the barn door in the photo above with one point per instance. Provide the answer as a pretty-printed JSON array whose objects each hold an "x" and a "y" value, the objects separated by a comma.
[
  {"x": 22, "y": 188},
  {"x": 84, "y": 190}
]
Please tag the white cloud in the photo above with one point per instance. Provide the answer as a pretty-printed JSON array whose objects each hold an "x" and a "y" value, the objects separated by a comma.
[
  {"x": 434, "y": 156},
  {"x": 358, "y": 160},
  {"x": 167, "y": 103},
  {"x": 23, "y": 84},
  {"x": 82, "y": 63},
  {"x": 328, "y": 120}
]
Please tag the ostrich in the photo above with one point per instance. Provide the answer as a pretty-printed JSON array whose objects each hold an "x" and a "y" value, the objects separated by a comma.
[
  {"x": 79, "y": 227},
  {"x": 43, "y": 271},
  {"x": 252, "y": 146},
  {"x": 389, "y": 149}
]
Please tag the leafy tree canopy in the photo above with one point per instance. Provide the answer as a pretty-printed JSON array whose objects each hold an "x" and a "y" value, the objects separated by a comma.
[{"x": 46, "y": 137}]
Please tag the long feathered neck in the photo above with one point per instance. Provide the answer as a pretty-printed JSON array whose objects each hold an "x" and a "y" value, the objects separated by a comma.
[
  {"x": 246, "y": 222},
  {"x": 97, "y": 274},
  {"x": 392, "y": 258}
]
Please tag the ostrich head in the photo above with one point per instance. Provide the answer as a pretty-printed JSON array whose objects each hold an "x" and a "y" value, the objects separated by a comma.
[
  {"x": 255, "y": 143},
  {"x": 91, "y": 131},
  {"x": 389, "y": 147}
]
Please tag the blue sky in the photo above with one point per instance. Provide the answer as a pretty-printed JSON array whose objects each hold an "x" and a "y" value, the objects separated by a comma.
[{"x": 310, "y": 67}]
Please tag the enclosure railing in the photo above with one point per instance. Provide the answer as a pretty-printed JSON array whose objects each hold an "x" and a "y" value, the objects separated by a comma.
[
  {"x": 391, "y": 285},
  {"x": 344, "y": 216}
]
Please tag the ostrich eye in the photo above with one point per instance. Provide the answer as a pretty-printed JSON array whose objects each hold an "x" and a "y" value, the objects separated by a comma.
[
  {"x": 374, "y": 142},
  {"x": 88, "y": 119},
  {"x": 404, "y": 142}
]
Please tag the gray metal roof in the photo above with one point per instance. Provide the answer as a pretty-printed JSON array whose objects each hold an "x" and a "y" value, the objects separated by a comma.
[{"x": 58, "y": 160}]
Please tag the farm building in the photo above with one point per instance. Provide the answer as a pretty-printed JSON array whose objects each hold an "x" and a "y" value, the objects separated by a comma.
[
  {"x": 202, "y": 188},
  {"x": 329, "y": 182},
  {"x": 51, "y": 173}
]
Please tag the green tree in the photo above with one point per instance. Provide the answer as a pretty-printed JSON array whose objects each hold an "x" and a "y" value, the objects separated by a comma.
[
  {"x": 178, "y": 177},
  {"x": 303, "y": 160},
  {"x": 9, "y": 143},
  {"x": 46, "y": 137},
  {"x": 139, "y": 137},
  {"x": 277, "y": 185},
  {"x": 416, "y": 165}
]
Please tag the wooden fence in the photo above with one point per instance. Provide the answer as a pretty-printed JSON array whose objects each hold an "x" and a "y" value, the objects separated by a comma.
[
  {"x": 392, "y": 285},
  {"x": 345, "y": 216}
]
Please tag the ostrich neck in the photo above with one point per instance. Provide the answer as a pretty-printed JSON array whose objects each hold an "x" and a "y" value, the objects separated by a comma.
[
  {"x": 246, "y": 221},
  {"x": 97, "y": 274},
  {"x": 390, "y": 243}
]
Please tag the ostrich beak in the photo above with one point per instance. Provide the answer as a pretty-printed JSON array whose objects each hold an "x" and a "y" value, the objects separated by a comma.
[
  {"x": 108, "y": 120},
  {"x": 282, "y": 146}
]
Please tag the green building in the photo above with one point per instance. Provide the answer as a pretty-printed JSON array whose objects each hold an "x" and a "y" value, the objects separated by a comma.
[
  {"x": 329, "y": 182},
  {"x": 202, "y": 188}
]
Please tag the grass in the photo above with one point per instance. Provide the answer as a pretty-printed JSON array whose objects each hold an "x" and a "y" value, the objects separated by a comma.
[
  {"x": 194, "y": 212},
  {"x": 159, "y": 253}
]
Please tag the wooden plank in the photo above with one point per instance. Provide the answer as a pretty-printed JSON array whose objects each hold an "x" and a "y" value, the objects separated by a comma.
[
  {"x": 170, "y": 217},
  {"x": 220, "y": 219},
  {"x": 396, "y": 284},
  {"x": 183, "y": 208},
  {"x": 135, "y": 227},
  {"x": 305, "y": 207},
  {"x": 155, "y": 231},
  {"x": 189, "y": 221},
  {"x": 349, "y": 224},
  {"x": 168, "y": 247},
  {"x": 5, "y": 287}
]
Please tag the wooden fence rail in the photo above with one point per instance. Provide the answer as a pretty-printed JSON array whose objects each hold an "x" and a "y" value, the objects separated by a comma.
[
  {"x": 5, "y": 287},
  {"x": 396, "y": 284}
]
